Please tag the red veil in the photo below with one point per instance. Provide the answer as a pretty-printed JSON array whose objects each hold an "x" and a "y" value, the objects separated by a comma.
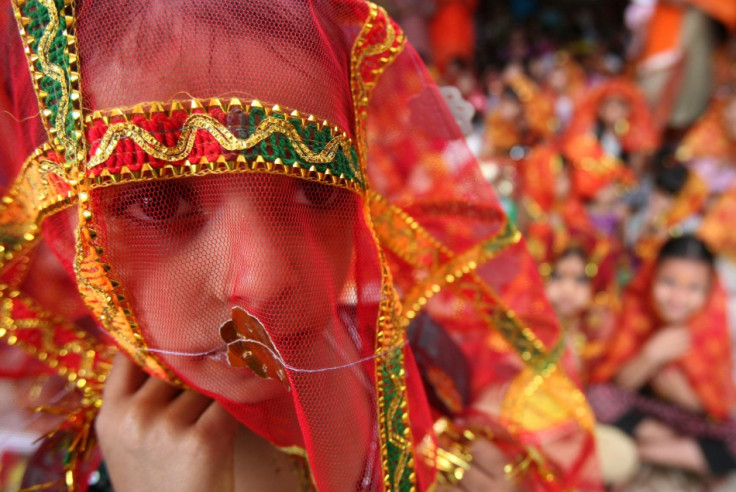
[{"x": 255, "y": 200}]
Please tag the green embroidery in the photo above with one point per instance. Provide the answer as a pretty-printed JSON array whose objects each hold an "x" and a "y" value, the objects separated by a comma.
[
  {"x": 57, "y": 55},
  {"x": 278, "y": 147},
  {"x": 395, "y": 420}
]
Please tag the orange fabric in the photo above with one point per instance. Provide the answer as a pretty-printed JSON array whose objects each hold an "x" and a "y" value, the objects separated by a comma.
[
  {"x": 708, "y": 137},
  {"x": 593, "y": 168},
  {"x": 707, "y": 365},
  {"x": 538, "y": 176},
  {"x": 452, "y": 31},
  {"x": 663, "y": 33},
  {"x": 722, "y": 10}
]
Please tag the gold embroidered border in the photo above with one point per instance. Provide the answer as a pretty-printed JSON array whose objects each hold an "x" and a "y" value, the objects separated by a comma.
[
  {"x": 200, "y": 121},
  {"x": 103, "y": 297},
  {"x": 37, "y": 192},
  {"x": 60, "y": 345},
  {"x": 391, "y": 391},
  {"x": 220, "y": 166},
  {"x": 370, "y": 54},
  {"x": 219, "y": 132},
  {"x": 395, "y": 431},
  {"x": 457, "y": 267},
  {"x": 276, "y": 122}
]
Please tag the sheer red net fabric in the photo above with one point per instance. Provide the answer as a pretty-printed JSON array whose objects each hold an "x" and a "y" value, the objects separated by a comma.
[
  {"x": 455, "y": 256},
  {"x": 242, "y": 232}
]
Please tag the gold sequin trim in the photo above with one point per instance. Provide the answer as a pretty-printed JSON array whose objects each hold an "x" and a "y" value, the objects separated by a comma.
[
  {"x": 382, "y": 55},
  {"x": 84, "y": 361},
  {"x": 37, "y": 192}
]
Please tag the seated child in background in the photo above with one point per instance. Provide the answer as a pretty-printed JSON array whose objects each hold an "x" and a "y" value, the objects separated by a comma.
[
  {"x": 669, "y": 364},
  {"x": 580, "y": 284}
]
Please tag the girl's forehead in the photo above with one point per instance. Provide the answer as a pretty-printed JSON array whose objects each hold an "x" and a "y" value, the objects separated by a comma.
[
  {"x": 141, "y": 54},
  {"x": 684, "y": 269}
]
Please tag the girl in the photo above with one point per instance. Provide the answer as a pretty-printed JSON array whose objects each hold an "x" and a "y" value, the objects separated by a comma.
[
  {"x": 256, "y": 199},
  {"x": 670, "y": 364}
]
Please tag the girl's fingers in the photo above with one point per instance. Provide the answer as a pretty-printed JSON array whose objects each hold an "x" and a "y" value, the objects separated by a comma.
[
  {"x": 217, "y": 420},
  {"x": 475, "y": 479},
  {"x": 124, "y": 380},
  {"x": 188, "y": 407},
  {"x": 157, "y": 393},
  {"x": 488, "y": 458}
]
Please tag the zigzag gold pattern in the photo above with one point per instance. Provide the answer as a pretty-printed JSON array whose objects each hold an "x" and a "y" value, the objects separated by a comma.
[
  {"x": 55, "y": 72},
  {"x": 65, "y": 142},
  {"x": 221, "y": 134}
]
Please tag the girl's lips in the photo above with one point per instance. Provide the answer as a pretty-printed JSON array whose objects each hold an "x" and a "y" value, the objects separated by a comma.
[{"x": 219, "y": 354}]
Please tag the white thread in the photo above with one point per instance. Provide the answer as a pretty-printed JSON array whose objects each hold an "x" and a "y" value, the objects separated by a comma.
[{"x": 277, "y": 356}]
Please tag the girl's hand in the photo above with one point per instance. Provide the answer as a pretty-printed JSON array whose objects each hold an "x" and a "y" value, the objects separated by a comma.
[
  {"x": 156, "y": 437},
  {"x": 668, "y": 344},
  {"x": 486, "y": 470}
]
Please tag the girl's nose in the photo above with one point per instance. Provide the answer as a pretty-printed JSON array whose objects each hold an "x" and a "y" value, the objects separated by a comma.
[{"x": 250, "y": 265}]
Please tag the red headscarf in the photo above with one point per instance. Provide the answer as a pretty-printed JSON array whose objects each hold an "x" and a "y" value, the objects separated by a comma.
[
  {"x": 637, "y": 134},
  {"x": 209, "y": 179}
]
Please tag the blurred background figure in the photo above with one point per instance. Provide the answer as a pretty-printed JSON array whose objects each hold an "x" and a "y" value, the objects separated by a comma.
[{"x": 608, "y": 130}]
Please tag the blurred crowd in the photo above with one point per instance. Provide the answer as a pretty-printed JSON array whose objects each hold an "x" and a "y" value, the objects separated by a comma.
[{"x": 608, "y": 130}]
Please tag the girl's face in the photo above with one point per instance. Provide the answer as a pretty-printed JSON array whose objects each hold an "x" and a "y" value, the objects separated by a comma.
[
  {"x": 613, "y": 110},
  {"x": 563, "y": 184},
  {"x": 509, "y": 108},
  {"x": 568, "y": 287},
  {"x": 607, "y": 197},
  {"x": 187, "y": 251},
  {"x": 681, "y": 289}
]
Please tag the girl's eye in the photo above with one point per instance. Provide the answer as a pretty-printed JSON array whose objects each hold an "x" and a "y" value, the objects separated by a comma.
[
  {"x": 315, "y": 194},
  {"x": 696, "y": 288},
  {"x": 668, "y": 282},
  {"x": 157, "y": 203},
  {"x": 582, "y": 279}
]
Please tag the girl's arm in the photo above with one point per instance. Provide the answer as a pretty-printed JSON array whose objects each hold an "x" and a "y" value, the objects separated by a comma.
[
  {"x": 672, "y": 385},
  {"x": 665, "y": 346}
]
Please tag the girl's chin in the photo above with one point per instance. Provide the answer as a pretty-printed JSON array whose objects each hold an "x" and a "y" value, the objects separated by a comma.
[{"x": 240, "y": 385}]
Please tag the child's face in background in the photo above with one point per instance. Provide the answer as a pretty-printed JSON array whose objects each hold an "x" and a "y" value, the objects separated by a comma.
[
  {"x": 568, "y": 287},
  {"x": 613, "y": 110},
  {"x": 563, "y": 184},
  {"x": 509, "y": 108},
  {"x": 607, "y": 197},
  {"x": 680, "y": 289},
  {"x": 558, "y": 79}
]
